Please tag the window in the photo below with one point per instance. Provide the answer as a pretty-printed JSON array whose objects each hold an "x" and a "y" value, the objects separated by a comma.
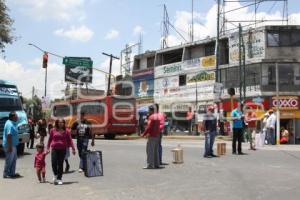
[
  {"x": 10, "y": 104},
  {"x": 62, "y": 111},
  {"x": 136, "y": 64},
  {"x": 209, "y": 49},
  {"x": 273, "y": 39},
  {"x": 92, "y": 108},
  {"x": 182, "y": 80},
  {"x": 150, "y": 62},
  {"x": 284, "y": 38}
]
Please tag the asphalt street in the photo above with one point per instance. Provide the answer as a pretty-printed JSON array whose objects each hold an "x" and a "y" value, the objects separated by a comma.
[{"x": 269, "y": 173}]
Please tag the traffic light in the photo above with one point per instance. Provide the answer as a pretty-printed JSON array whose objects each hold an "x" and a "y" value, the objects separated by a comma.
[{"x": 45, "y": 60}]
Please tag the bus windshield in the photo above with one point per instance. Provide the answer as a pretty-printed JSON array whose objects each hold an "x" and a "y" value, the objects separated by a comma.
[{"x": 8, "y": 104}]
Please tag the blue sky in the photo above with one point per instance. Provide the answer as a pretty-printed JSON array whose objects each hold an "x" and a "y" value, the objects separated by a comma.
[{"x": 90, "y": 27}]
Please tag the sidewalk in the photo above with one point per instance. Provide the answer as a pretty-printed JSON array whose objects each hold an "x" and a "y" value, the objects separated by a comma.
[{"x": 176, "y": 136}]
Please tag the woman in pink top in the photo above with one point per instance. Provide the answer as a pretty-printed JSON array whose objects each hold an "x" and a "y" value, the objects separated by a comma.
[{"x": 59, "y": 140}]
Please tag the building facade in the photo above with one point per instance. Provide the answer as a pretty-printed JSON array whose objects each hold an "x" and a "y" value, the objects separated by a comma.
[{"x": 184, "y": 76}]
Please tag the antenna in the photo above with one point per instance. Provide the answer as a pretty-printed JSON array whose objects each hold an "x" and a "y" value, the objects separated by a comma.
[
  {"x": 255, "y": 20},
  {"x": 192, "y": 28},
  {"x": 165, "y": 28}
]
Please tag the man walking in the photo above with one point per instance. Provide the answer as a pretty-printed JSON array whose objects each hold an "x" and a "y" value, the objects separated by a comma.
[
  {"x": 271, "y": 127},
  {"x": 152, "y": 131},
  {"x": 250, "y": 119},
  {"x": 10, "y": 143},
  {"x": 82, "y": 130},
  {"x": 236, "y": 115},
  {"x": 210, "y": 127}
]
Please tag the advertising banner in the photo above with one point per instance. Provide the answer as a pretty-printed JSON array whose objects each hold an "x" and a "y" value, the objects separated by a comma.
[{"x": 254, "y": 46}]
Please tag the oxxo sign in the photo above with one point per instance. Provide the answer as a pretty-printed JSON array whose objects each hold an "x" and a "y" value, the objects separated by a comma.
[{"x": 286, "y": 103}]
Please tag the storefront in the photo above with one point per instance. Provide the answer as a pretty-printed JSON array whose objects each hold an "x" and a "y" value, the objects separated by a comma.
[{"x": 289, "y": 115}]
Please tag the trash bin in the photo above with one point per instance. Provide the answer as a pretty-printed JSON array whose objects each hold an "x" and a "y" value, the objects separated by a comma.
[{"x": 177, "y": 155}]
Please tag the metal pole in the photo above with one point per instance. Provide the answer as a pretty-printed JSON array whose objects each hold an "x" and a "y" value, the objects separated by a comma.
[
  {"x": 244, "y": 69},
  {"x": 45, "y": 82},
  {"x": 192, "y": 34},
  {"x": 217, "y": 43},
  {"x": 109, "y": 76},
  {"x": 277, "y": 107},
  {"x": 240, "y": 60}
]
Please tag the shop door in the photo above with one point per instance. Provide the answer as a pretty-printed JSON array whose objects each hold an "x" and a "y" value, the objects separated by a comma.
[{"x": 289, "y": 124}]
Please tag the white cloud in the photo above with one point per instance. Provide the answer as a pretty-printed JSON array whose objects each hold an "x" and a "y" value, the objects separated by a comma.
[
  {"x": 53, "y": 9},
  {"x": 138, "y": 30},
  {"x": 25, "y": 77},
  {"x": 99, "y": 78},
  {"x": 112, "y": 34},
  {"x": 206, "y": 24},
  {"x": 81, "y": 33}
]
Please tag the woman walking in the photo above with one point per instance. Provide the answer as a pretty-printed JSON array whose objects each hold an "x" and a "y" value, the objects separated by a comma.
[{"x": 59, "y": 140}]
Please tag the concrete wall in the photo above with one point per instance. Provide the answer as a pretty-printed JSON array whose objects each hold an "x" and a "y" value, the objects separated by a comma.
[{"x": 282, "y": 52}]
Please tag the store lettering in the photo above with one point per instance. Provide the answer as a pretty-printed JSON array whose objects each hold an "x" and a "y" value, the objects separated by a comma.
[
  {"x": 286, "y": 103},
  {"x": 172, "y": 69}
]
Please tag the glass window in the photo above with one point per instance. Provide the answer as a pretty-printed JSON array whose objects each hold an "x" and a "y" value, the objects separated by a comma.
[
  {"x": 273, "y": 39},
  {"x": 10, "y": 104},
  {"x": 182, "y": 80},
  {"x": 286, "y": 74},
  {"x": 295, "y": 38},
  {"x": 92, "y": 108},
  {"x": 62, "y": 110}
]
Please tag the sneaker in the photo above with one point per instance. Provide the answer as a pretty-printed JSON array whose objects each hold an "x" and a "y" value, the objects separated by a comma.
[
  {"x": 80, "y": 170},
  {"x": 54, "y": 179},
  {"x": 214, "y": 156},
  {"x": 59, "y": 182},
  {"x": 148, "y": 167},
  {"x": 44, "y": 180}
]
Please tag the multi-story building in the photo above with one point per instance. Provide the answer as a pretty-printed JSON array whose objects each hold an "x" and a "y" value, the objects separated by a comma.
[
  {"x": 184, "y": 76},
  {"x": 143, "y": 78}
]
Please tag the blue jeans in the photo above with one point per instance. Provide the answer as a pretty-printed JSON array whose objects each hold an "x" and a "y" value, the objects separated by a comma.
[
  {"x": 82, "y": 146},
  {"x": 209, "y": 143},
  {"x": 10, "y": 162},
  {"x": 271, "y": 136}
]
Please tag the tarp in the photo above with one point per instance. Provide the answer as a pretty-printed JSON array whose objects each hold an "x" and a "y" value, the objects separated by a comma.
[{"x": 143, "y": 109}]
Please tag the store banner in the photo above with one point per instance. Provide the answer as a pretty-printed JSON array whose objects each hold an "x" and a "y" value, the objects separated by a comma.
[
  {"x": 144, "y": 88},
  {"x": 285, "y": 102},
  {"x": 254, "y": 46},
  {"x": 197, "y": 64}
]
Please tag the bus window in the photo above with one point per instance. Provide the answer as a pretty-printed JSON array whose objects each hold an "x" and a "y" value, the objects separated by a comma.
[
  {"x": 62, "y": 111},
  {"x": 91, "y": 108}
]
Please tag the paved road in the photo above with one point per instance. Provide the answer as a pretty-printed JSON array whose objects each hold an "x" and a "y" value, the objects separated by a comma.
[{"x": 270, "y": 173}]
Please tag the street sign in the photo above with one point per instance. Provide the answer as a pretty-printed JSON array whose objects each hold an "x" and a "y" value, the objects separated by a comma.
[
  {"x": 78, "y": 69},
  {"x": 78, "y": 61}
]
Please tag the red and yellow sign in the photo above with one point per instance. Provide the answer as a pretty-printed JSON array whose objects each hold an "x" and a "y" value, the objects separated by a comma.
[
  {"x": 285, "y": 102},
  {"x": 208, "y": 61}
]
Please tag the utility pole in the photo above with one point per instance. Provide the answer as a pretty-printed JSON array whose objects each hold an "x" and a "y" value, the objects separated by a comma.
[
  {"x": 217, "y": 44},
  {"x": 240, "y": 60},
  {"x": 109, "y": 75},
  {"x": 192, "y": 31},
  {"x": 277, "y": 106}
]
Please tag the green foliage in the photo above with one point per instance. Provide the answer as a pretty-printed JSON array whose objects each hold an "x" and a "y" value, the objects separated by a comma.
[
  {"x": 34, "y": 108},
  {"x": 6, "y": 29}
]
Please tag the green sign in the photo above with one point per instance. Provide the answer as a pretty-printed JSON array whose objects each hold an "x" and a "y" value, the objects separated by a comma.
[{"x": 78, "y": 61}]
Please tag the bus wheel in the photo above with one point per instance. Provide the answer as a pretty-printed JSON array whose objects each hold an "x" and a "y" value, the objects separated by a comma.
[
  {"x": 109, "y": 136},
  {"x": 20, "y": 148}
]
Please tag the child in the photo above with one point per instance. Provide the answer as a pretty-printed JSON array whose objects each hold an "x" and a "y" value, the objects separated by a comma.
[{"x": 39, "y": 163}]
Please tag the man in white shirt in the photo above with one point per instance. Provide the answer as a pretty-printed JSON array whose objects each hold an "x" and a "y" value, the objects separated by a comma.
[{"x": 271, "y": 122}]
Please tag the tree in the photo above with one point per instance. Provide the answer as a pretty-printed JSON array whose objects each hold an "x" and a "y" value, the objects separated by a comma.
[
  {"x": 6, "y": 22},
  {"x": 34, "y": 108}
]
